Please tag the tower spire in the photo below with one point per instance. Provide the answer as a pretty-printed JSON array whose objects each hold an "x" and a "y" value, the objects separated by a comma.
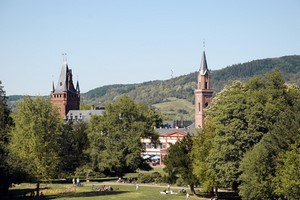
[
  {"x": 203, "y": 67},
  {"x": 77, "y": 85},
  {"x": 203, "y": 92}
]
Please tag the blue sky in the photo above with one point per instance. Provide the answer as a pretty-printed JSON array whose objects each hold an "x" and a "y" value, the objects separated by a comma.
[{"x": 133, "y": 41}]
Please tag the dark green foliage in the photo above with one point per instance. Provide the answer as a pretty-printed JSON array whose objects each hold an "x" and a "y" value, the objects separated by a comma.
[
  {"x": 179, "y": 161},
  {"x": 287, "y": 180},
  {"x": 74, "y": 143},
  {"x": 115, "y": 143},
  {"x": 6, "y": 173},
  {"x": 247, "y": 126},
  {"x": 149, "y": 177},
  {"x": 244, "y": 113}
]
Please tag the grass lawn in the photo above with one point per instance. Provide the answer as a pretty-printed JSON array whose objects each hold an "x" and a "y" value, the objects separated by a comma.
[{"x": 120, "y": 192}]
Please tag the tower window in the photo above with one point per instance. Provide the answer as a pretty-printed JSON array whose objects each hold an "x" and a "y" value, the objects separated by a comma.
[
  {"x": 199, "y": 106},
  {"x": 205, "y": 85}
]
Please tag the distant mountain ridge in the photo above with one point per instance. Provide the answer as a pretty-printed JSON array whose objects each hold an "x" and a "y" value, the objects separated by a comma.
[{"x": 182, "y": 87}]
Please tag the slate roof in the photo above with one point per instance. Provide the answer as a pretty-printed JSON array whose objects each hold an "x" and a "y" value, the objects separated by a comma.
[
  {"x": 82, "y": 114},
  {"x": 203, "y": 66},
  {"x": 187, "y": 130},
  {"x": 64, "y": 84}
]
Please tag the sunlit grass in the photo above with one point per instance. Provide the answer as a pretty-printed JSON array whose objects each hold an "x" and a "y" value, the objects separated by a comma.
[{"x": 121, "y": 191}]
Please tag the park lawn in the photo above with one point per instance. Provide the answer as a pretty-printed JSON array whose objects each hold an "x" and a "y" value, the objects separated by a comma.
[{"x": 121, "y": 192}]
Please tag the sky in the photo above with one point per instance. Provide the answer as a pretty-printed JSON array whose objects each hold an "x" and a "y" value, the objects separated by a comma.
[{"x": 134, "y": 41}]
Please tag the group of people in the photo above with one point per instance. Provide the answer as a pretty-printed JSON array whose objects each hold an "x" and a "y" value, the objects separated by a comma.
[
  {"x": 129, "y": 180},
  {"x": 102, "y": 188},
  {"x": 169, "y": 191},
  {"x": 76, "y": 182}
]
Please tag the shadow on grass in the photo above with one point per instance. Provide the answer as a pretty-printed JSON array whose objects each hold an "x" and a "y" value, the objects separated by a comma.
[
  {"x": 85, "y": 194},
  {"x": 222, "y": 195},
  {"x": 20, "y": 194}
]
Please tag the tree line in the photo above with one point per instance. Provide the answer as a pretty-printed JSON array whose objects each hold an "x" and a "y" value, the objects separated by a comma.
[{"x": 36, "y": 145}]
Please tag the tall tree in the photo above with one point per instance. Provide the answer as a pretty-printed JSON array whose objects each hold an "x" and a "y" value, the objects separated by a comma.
[
  {"x": 179, "y": 161},
  {"x": 258, "y": 166},
  {"x": 242, "y": 114},
  {"x": 35, "y": 139},
  {"x": 287, "y": 180},
  {"x": 115, "y": 137},
  {"x": 202, "y": 145},
  {"x": 74, "y": 143},
  {"x": 5, "y": 123}
]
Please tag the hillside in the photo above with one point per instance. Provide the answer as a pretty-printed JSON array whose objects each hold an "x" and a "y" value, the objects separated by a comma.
[
  {"x": 165, "y": 95},
  {"x": 182, "y": 87}
]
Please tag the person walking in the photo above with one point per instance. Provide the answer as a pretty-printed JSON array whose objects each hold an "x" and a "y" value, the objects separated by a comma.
[{"x": 187, "y": 196}]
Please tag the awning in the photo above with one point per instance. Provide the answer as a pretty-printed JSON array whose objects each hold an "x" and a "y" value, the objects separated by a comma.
[{"x": 155, "y": 158}]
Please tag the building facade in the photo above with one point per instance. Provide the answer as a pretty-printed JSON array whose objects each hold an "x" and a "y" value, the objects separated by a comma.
[
  {"x": 65, "y": 96},
  {"x": 203, "y": 93}
]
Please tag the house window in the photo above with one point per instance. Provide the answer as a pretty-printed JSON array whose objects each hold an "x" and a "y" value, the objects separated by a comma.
[{"x": 205, "y": 85}]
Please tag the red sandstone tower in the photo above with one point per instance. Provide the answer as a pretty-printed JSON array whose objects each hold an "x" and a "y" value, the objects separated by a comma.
[
  {"x": 65, "y": 96},
  {"x": 203, "y": 93}
]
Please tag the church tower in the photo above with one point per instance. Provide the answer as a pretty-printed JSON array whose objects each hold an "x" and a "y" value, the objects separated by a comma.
[
  {"x": 203, "y": 93},
  {"x": 65, "y": 96}
]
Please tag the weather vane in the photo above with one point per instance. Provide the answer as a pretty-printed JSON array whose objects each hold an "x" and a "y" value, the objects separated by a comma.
[{"x": 64, "y": 57}]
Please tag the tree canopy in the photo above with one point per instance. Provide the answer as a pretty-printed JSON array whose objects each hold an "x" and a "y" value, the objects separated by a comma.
[
  {"x": 115, "y": 137},
  {"x": 179, "y": 161},
  {"x": 5, "y": 124},
  {"x": 244, "y": 125},
  {"x": 35, "y": 139}
]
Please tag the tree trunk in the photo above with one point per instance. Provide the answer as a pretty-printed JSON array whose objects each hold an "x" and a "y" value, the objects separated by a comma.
[
  {"x": 38, "y": 189},
  {"x": 192, "y": 188},
  {"x": 216, "y": 191},
  {"x": 212, "y": 192}
]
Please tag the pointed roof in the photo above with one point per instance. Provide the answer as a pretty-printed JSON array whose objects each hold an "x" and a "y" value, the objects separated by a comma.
[
  {"x": 62, "y": 81},
  {"x": 53, "y": 88},
  {"x": 203, "y": 67},
  {"x": 77, "y": 86}
]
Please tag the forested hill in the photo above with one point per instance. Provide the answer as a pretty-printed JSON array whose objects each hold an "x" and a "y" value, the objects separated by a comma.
[
  {"x": 175, "y": 97},
  {"x": 182, "y": 87}
]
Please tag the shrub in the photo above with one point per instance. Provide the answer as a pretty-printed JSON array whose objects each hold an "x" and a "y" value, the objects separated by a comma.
[{"x": 149, "y": 178}]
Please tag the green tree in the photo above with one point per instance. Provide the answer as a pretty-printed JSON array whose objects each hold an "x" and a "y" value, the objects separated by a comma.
[
  {"x": 74, "y": 143},
  {"x": 202, "y": 145},
  {"x": 179, "y": 161},
  {"x": 258, "y": 165},
  {"x": 287, "y": 180},
  {"x": 35, "y": 139},
  {"x": 242, "y": 114},
  {"x": 115, "y": 137},
  {"x": 5, "y": 123}
]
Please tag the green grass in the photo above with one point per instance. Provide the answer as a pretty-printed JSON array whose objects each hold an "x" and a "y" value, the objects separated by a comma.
[
  {"x": 173, "y": 106},
  {"x": 121, "y": 192}
]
